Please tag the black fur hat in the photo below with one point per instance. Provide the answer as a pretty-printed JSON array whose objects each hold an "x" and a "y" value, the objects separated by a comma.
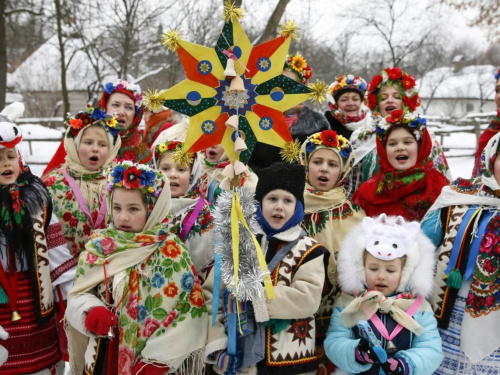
[{"x": 284, "y": 176}]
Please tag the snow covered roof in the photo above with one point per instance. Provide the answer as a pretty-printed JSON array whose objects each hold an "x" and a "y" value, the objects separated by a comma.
[
  {"x": 41, "y": 71},
  {"x": 471, "y": 82}
]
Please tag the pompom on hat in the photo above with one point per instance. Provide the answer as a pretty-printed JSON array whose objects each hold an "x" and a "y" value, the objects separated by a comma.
[
  {"x": 10, "y": 134},
  {"x": 284, "y": 176},
  {"x": 394, "y": 76},
  {"x": 345, "y": 83},
  {"x": 296, "y": 63}
]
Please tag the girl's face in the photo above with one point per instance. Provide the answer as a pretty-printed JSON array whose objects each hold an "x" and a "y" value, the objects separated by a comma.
[
  {"x": 324, "y": 169},
  {"x": 177, "y": 175},
  {"x": 122, "y": 107},
  {"x": 214, "y": 153},
  {"x": 401, "y": 149},
  {"x": 349, "y": 103},
  {"x": 389, "y": 100},
  {"x": 129, "y": 210},
  {"x": 9, "y": 166},
  {"x": 93, "y": 149},
  {"x": 278, "y": 207},
  {"x": 383, "y": 275},
  {"x": 497, "y": 94}
]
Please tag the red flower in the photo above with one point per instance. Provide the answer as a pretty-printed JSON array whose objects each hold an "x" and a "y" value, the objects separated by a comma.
[
  {"x": 412, "y": 103},
  {"x": 85, "y": 119},
  {"x": 169, "y": 319},
  {"x": 131, "y": 178},
  {"x": 129, "y": 155},
  {"x": 394, "y": 73},
  {"x": 372, "y": 100},
  {"x": 395, "y": 116},
  {"x": 67, "y": 216},
  {"x": 408, "y": 81},
  {"x": 171, "y": 289},
  {"x": 73, "y": 222},
  {"x": 125, "y": 360},
  {"x": 329, "y": 138},
  {"x": 478, "y": 303},
  {"x": 69, "y": 195},
  {"x": 307, "y": 72},
  {"x": 196, "y": 296},
  {"x": 374, "y": 83},
  {"x": 490, "y": 301},
  {"x": 150, "y": 326},
  {"x": 91, "y": 258},
  {"x": 170, "y": 249},
  {"x": 108, "y": 245},
  {"x": 132, "y": 306},
  {"x": 76, "y": 123},
  {"x": 133, "y": 281},
  {"x": 50, "y": 181}
]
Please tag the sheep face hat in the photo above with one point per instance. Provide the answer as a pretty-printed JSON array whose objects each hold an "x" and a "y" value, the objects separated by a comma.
[
  {"x": 387, "y": 238},
  {"x": 10, "y": 134},
  {"x": 284, "y": 176}
]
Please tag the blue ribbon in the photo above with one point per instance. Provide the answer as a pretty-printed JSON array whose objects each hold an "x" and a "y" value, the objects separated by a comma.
[
  {"x": 216, "y": 292},
  {"x": 455, "y": 251},
  {"x": 474, "y": 251}
]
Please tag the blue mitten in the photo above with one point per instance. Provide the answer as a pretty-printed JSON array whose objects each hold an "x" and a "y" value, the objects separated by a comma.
[
  {"x": 395, "y": 366},
  {"x": 229, "y": 364},
  {"x": 367, "y": 353}
]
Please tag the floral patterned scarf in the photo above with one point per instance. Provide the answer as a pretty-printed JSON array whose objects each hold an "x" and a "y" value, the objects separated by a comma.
[
  {"x": 408, "y": 193},
  {"x": 156, "y": 294}
]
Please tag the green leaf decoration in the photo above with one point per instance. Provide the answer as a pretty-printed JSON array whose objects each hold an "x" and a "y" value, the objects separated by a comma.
[
  {"x": 149, "y": 303},
  {"x": 128, "y": 337},
  {"x": 168, "y": 273},
  {"x": 160, "y": 314},
  {"x": 139, "y": 346},
  {"x": 124, "y": 320},
  {"x": 158, "y": 300},
  {"x": 177, "y": 267}
]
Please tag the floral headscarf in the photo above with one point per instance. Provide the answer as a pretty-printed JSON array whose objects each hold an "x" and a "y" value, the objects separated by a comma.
[
  {"x": 394, "y": 76},
  {"x": 330, "y": 140}
]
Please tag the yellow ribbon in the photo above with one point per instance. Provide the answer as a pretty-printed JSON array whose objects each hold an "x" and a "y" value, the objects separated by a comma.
[{"x": 237, "y": 213}]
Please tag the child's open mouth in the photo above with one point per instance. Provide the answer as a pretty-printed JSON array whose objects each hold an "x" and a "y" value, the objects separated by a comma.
[
  {"x": 402, "y": 158},
  {"x": 173, "y": 184},
  {"x": 212, "y": 154},
  {"x": 277, "y": 217},
  {"x": 390, "y": 108},
  {"x": 322, "y": 179},
  {"x": 94, "y": 158},
  {"x": 8, "y": 173}
]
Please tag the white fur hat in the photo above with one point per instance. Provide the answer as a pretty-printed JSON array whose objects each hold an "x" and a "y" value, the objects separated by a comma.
[
  {"x": 386, "y": 238},
  {"x": 10, "y": 134}
]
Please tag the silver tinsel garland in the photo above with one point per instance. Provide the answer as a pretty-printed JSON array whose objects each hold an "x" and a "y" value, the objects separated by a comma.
[{"x": 250, "y": 276}]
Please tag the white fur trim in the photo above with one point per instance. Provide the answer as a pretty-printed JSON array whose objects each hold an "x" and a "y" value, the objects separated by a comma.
[
  {"x": 418, "y": 272},
  {"x": 13, "y": 111}
]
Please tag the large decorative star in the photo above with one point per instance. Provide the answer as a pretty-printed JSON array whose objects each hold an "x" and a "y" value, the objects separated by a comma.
[{"x": 205, "y": 96}]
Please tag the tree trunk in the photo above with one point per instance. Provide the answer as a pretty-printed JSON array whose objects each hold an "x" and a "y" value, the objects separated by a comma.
[
  {"x": 63, "y": 60},
  {"x": 270, "y": 30},
  {"x": 3, "y": 55}
]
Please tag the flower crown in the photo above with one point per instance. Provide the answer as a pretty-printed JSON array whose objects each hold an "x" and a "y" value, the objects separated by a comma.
[
  {"x": 346, "y": 81},
  {"x": 297, "y": 64},
  {"x": 497, "y": 75},
  {"x": 90, "y": 116},
  {"x": 415, "y": 123},
  {"x": 330, "y": 139},
  {"x": 389, "y": 77},
  {"x": 110, "y": 87},
  {"x": 130, "y": 175}
]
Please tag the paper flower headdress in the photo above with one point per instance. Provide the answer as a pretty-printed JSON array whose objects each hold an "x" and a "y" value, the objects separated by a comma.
[
  {"x": 91, "y": 116},
  {"x": 130, "y": 175},
  {"x": 416, "y": 124}
]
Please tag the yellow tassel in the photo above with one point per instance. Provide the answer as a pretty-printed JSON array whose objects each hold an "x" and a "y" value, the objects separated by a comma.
[
  {"x": 153, "y": 101},
  {"x": 171, "y": 39},
  {"x": 182, "y": 157},
  {"x": 320, "y": 88},
  {"x": 232, "y": 13},
  {"x": 290, "y": 29},
  {"x": 290, "y": 152}
]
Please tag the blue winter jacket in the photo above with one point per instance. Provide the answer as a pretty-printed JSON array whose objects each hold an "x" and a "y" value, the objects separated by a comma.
[{"x": 423, "y": 357}]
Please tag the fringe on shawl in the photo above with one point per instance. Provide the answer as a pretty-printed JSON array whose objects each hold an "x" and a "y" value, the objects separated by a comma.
[{"x": 191, "y": 364}]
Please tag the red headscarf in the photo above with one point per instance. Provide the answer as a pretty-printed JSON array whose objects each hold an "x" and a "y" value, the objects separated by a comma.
[{"x": 408, "y": 193}]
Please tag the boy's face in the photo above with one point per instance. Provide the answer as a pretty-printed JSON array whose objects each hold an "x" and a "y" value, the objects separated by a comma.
[
  {"x": 9, "y": 166},
  {"x": 93, "y": 149},
  {"x": 129, "y": 210},
  {"x": 278, "y": 207},
  {"x": 178, "y": 176},
  {"x": 383, "y": 275},
  {"x": 324, "y": 169},
  {"x": 214, "y": 153}
]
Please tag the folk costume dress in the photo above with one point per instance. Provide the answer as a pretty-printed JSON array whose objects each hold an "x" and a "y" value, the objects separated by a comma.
[
  {"x": 464, "y": 223},
  {"x": 36, "y": 273},
  {"x": 409, "y": 193},
  {"x": 328, "y": 217},
  {"x": 148, "y": 280},
  {"x": 405, "y": 317},
  {"x": 78, "y": 194},
  {"x": 191, "y": 219},
  {"x": 492, "y": 129}
]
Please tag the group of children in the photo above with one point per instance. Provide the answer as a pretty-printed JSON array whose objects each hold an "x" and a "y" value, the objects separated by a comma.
[{"x": 121, "y": 252}]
